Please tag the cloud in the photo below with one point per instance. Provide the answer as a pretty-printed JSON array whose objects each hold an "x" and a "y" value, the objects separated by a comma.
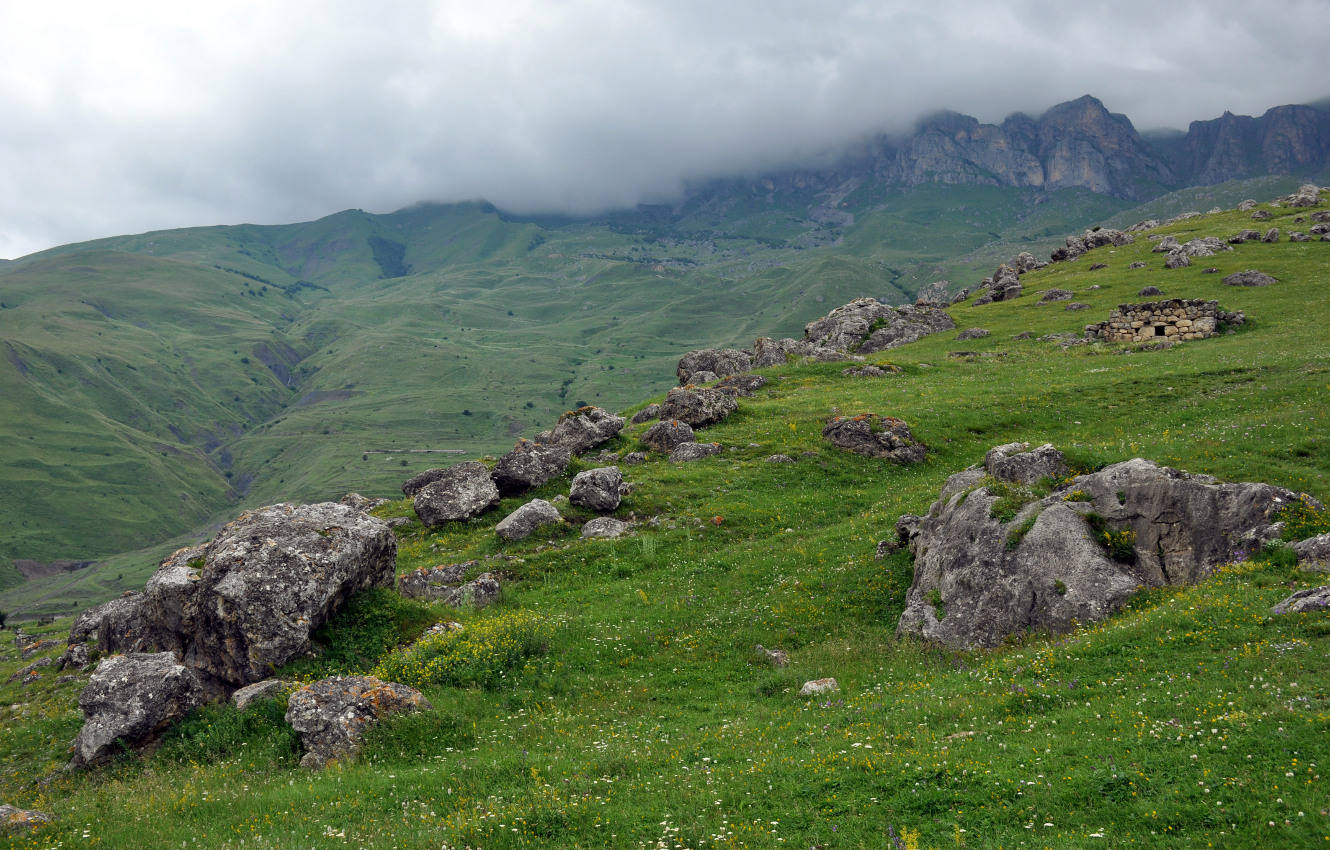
[{"x": 124, "y": 117}]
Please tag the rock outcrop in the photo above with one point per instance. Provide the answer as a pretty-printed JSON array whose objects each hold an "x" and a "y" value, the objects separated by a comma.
[
  {"x": 721, "y": 362},
  {"x": 459, "y": 493},
  {"x": 697, "y": 406},
  {"x": 991, "y": 561},
  {"x": 874, "y": 436},
  {"x": 130, "y": 701},
  {"x": 582, "y": 430},
  {"x": 867, "y": 325},
  {"x": 333, "y": 714}
]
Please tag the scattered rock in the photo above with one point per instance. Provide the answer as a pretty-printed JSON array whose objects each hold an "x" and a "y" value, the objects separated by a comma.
[
  {"x": 1244, "y": 236},
  {"x": 698, "y": 407},
  {"x": 774, "y": 657},
  {"x": 1024, "y": 335},
  {"x": 332, "y": 715},
  {"x": 37, "y": 646},
  {"x": 867, "y": 325},
  {"x": 1137, "y": 265},
  {"x": 598, "y": 489},
  {"x": 519, "y": 524},
  {"x": 583, "y": 429},
  {"x": 1271, "y": 235},
  {"x": 1210, "y": 270},
  {"x": 130, "y": 701},
  {"x": 1246, "y": 206},
  {"x": 742, "y": 385},
  {"x": 1308, "y": 195},
  {"x": 1305, "y": 601},
  {"x": 463, "y": 491},
  {"x": 21, "y": 820},
  {"x": 29, "y": 672},
  {"x": 777, "y": 352},
  {"x": 416, "y": 483},
  {"x": 1320, "y": 229},
  {"x": 1019, "y": 464},
  {"x": 361, "y": 503},
  {"x": 721, "y": 362},
  {"x": 1055, "y": 295},
  {"x": 979, "y": 578},
  {"x": 1097, "y": 266},
  {"x": 1262, "y": 215},
  {"x": 703, "y": 377},
  {"x": 250, "y": 694},
  {"x": 1297, "y": 236},
  {"x": 482, "y": 591},
  {"x": 819, "y": 686},
  {"x": 778, "y": 458},
  {"x": 634, "y": 458},
  {"x": 1077, "y": 305},
  {"x": 75, "y": 657},
  {"x": 1091, "y": 239},
  {"x": 1251, "y": 277},
  {"x": 1166, "y": 245},
  {"x": 528, "y": 466},
  {"x": 1314, "y": 551},
  {"x": 935, "y": 294},
  {"x": 605, "y": 526},
  {"x": 666, "y": 434},
  {"x": 1324, "y": 215},
  {"x": 1177, "y": 260},
  {"x": 874, "y": 436},
  {"x": 1150, "y": 290},
  {"x": 685, "y": 452},
  {"x": 972, "y": 333},
  {"x": 434, "y": 582}
]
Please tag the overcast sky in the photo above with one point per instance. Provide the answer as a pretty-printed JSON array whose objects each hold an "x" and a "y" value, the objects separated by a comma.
[{"x": 120, "y": 117}]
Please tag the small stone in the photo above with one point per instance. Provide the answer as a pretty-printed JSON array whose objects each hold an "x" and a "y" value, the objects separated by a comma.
[
  {"x": 685, "y": 452},
  {"x": 778, "y": 458},
  {"x": 819, "y": 686},
  {"x": 774, "y": 657},
  {"x": 605, "y": 527}
]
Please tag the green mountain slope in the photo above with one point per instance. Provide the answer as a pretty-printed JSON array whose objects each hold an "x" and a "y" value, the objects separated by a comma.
[
  {"x": 155, "y": 383},
  {"x": 1195, "y": 717}
]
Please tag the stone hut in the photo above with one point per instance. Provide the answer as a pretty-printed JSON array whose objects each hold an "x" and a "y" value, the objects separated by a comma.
[{"x": 1175, "y": 320}]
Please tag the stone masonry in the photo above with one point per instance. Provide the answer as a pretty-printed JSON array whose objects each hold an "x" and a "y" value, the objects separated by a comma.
[{"x": 1175, "y": 320}]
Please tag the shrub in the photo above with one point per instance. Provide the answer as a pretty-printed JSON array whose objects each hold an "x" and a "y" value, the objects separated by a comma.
[{"x": 479, "y": 654}]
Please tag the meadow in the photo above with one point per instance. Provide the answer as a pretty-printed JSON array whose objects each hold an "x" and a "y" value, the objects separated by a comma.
[{"x": 614, "y": 699}]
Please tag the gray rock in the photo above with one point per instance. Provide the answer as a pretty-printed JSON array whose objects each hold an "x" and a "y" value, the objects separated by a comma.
[
  {"x": 778, "y": 352},
  {"x": 685, "y": 452},
  {"x": 1076, "y": 305},
  {"x": 1262, "y": 215},
  {"x": 1324, "y": 215},
  {"x": 482, "y": 591},
  {"x": 332, "y": 715},
  {"x": 1271, "y": 235},
  {"x": 115, "y": 625},
  {"x": 1025, "y": 262},
  {"x": 598, "y": 489},
  {"x": 29, "y": 672},
  {"x": 1298, "y": 236},
  {"x": 703, "y": 377},
  {"x": 417, "y": 482},
  {"x": 167, "y": 608},
  {"x": 742, "y": 385},
  {"x": 1019, "y": 464},
  {"x": 1055, "y": 295},
  {"x": 130, "y": 701},
  {"x": 1244, "y": 236},
  {"x": 583, "y": 429},
  {"x": 721, "y": 362},
  {"x": 1308, "y": 195},
  {"x": 528, "y": 466},
  {"x": 698, "y": 407},
  {"x": 816, "y": 687},
  {"x": 1313, "y": 599},
  {"x": 778, "y": 458},
  {"x": 76, "y": 657},
  {"x": 13, "y": 820},
  {"x": 870, "y": 371},
  {"x": 634, "y": 458},
  {"x": 971, "y": 333},
  {"x": 1246, "y": 206},
  {"x": 271, "y": 578},
  {"x": 606, "y": 527},
  {"x": 1251, "y": 277},
  {"x": 868, "y": 325},
  {"x": 250, "y": 694},
  {"x": 666, "y": 434},
  {"x": 775, "y": 657},
  {"x": 33, "y": 647},
  {"x": 978, "y": 579},
  {"x": 1166, "y": 245},
  {"x": 877, "y": 436},
  {"x": 935, "y": 294},
  {"x": 464, "y": 491},
  {"x": 1137, "y": 265},
  {"x": 519, "y": 524},
  {"x": 646, "y": 414},
  {"x": 434, "y": 582},
  {"x": 1150, "y": 290},
  {"x": 361, "y": 503},
  {"x": 1314, "y": 552},
  {"x": 1319, "y": 229},
  {"x": 1177, "y": 260}
]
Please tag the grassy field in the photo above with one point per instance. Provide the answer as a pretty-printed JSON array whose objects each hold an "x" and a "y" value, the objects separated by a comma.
[
  {"x": 154, "y": 385},
  {"x": 1192, "y": 719}
]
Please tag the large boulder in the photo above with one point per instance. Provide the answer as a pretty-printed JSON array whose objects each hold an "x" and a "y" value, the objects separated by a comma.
[
  {"x": 599, "y": 489},
  {"x": 1308, "y": 195},
  {"x": 1305, "y": 601},
  {"x": 778, "y": 352},
  {"x": 419, "y": 481},
  {"x": 333, "y": 714},
  {"x": 130, "y": 701},
  {"x": 582, "y": 429},
  {"x": 722, "y": 362},
  {"x": 867, "y": 325},
  {"x": 697, "y": 406},
  {"x": 167, "y": 607},
  {"x": 270, "y": 579},
  {"x": 519, "y": 524},
  {"x": 464, "y": 491},
  {"x": 1314, "y": 552},
  {"x": 528, "y": 466},
  {"x": 666, "y": 434},
  {"x": 985, "y": 569},
  {"x": 874, "y": 436}
]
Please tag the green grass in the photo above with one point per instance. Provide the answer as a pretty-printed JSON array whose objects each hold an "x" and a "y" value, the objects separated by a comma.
[{"x": 1192, "y": 718}]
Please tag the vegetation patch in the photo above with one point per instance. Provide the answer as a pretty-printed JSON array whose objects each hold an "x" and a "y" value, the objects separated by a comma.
[
  {"x": 1303, "y": 519},
  {"x": 1120, "y": 545},
  {"x": 1017, "y": 534},
  {"x": 370, "y": 624},
  {"x": 481, "y": 653}
]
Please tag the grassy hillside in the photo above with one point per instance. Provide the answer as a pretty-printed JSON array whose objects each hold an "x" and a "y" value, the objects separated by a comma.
[
  {"x": 1192, "y": 719},
  {"x": 154, "y": 384}
]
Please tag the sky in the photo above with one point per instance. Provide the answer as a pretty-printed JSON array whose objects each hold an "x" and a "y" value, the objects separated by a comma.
[{"x": 131, "y": 116}]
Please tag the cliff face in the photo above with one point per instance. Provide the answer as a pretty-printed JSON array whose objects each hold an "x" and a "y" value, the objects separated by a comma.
[{"x": 1285, "y": 140}]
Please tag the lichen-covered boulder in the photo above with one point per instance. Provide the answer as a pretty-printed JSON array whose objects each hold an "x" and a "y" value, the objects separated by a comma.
[
  {"x": 697, "y": 406},
  {"x": 599, "y": 489},
  {"x": 686, "y": 452},
  {"x": 130, "y": 701},
  {"x": 1305, "y": 601},
  {"x": 984, "y": 569},
  {"x": 778, "y": 352},
  {"x": 1251, "y": 277},
  {"x": 333, "y": 714},
  {"x": 867, "y": 325},
  {"x": 1018, "y": 463},
  {"x": 1314, "y": 552},
  {"x": 273, "y": 576},
  {"x": 250, "y": 694},
  {"x": 519, "y": 524},
  {"x": 464, "y": 491},
  {"x": 605, "y": 527},
  {"x": 666, "y": 434},
  {"x": 721, "y": 362},
  {"x": 528, "y": 466},
  {"x": 583, "y": 429},
  {"x": 872, "y": 435},
  {"x": 742, "y": 385},
  {"x": 646, "y": 414},
  {"x": 434, "y": 582}
]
